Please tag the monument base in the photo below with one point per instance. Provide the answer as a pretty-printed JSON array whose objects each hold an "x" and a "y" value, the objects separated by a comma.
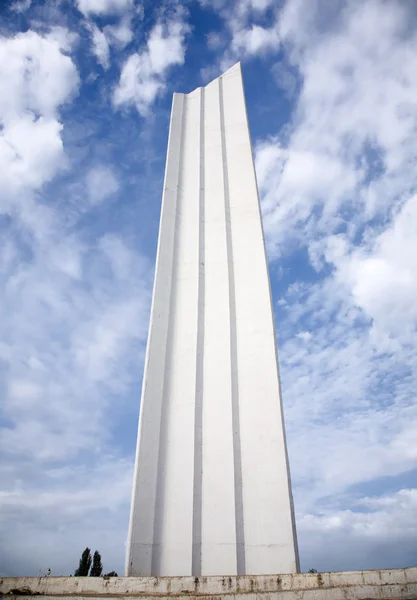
[{"x": 349, "y": 585}]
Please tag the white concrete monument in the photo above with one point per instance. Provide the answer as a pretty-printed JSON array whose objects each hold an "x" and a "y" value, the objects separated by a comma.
[{"x": 212, "y": 491}]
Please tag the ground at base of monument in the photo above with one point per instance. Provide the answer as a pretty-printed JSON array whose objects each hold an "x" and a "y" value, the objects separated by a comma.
[{"x": 349, "y": 585}]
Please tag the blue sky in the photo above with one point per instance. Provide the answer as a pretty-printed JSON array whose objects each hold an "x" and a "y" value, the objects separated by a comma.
[{"x": 85, "y": 94}]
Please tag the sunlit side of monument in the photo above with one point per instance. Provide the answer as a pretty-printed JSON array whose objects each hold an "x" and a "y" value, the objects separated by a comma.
[{"x": 212, "y": 492}]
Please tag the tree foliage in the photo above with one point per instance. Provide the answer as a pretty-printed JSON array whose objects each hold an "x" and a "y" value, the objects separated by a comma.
[
  {"x": 85, "y": 564},
  {"x": 97, "y": 568},
  {"x": 93, "y": 566}
]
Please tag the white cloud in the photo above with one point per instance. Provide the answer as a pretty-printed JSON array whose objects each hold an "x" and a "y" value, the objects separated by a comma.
[
  {"x": 247, "y": 7},
  {"x": 101, "y": 184},
  {"x": 364, "y": 533},
  {"x": 31, "y": 151},
  {"x": 349, "y": 404},
  {"x": 104, "y": 7},
  {"x": 61, "y": 509},
  {"x": 254, "y": 40},
  {"x": 382, "y": 278},
  {"x": 285, "y": 79},
  {"x": 35, "y": 75},
  {"x": 304, "y": 335},
  {"x": 352, "y": 140},
  {"x": 21, "y": 5},
  {"x": 288, "y": 200},
  {"x": 80, "y": 333},
  {"x": 143, "y": 75},
  {"x": 100, "y": 45},
  {"x": 45, "y": 278},
  {"x": 122, "y": 33},
  {"x": 215, "y": 40},
  {"x": 248, "y": 38},
  {"x": 117, "y": 35},
  {"x": 35, "y": 79},
  {"x": 63, "y": 37}
]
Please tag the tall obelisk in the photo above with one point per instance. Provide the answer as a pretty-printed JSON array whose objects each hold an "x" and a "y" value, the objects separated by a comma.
[{"x": 212, "y": 492}]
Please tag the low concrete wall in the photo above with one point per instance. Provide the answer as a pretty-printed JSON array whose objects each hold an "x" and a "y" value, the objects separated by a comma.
[{"x": 355, "y": 585}]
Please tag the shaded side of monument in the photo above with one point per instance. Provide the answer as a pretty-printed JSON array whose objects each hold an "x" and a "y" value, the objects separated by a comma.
[{"x": 212, "y": 492}]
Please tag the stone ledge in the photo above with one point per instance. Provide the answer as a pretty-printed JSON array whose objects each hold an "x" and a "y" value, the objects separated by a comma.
[{"x": 355, "y": 585}]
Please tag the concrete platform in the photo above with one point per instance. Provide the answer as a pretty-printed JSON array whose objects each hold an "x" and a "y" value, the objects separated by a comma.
[{"x": 355, "y": 585}]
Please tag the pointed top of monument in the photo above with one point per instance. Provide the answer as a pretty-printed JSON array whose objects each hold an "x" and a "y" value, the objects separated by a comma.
[
  {"x": 230, "y": 71},
  {"x": 235, "y": 67}
]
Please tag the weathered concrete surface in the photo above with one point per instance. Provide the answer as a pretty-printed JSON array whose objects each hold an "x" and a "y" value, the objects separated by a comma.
[{"x": 353, "y": 585}]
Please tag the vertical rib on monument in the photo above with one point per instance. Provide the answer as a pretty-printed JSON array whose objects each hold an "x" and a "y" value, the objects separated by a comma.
[{"x": 212, "y": 492}]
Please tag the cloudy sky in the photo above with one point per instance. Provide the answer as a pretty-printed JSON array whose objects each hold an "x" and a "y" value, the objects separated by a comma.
[{"x": 85, "y": 94}]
